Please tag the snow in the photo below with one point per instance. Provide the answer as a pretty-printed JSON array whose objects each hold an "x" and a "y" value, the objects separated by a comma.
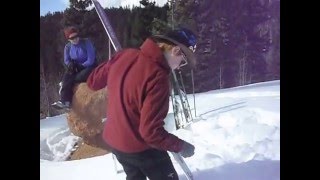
[{"x": 238, "y": 142}]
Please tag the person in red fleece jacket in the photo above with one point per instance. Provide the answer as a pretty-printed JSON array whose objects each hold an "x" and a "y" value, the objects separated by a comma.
[{"x": 138, "y": 85}]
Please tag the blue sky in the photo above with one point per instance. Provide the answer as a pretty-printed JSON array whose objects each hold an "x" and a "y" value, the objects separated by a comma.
[
  {"x": 52, "y": 6},
  {"x": 60, "y": 5}
]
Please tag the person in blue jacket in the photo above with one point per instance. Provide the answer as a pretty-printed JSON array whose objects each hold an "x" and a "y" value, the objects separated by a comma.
[{"x": 80, "y": 60}]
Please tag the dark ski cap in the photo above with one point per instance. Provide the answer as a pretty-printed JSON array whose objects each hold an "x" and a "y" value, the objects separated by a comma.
[{"x": 185, "y": 39}]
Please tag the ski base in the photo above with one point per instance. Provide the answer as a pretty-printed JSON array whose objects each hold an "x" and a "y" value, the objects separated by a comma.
[{"x": 183, "y": 165}]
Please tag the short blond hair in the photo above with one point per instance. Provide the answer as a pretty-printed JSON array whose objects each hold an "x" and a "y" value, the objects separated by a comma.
[{"x": 165, "y": 46}]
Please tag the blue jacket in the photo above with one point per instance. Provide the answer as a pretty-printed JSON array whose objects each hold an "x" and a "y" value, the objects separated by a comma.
[{"x": 82, "y": 53}]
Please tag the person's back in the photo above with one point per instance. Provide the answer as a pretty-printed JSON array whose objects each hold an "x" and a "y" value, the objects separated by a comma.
[{"x": 139, "y": 90}]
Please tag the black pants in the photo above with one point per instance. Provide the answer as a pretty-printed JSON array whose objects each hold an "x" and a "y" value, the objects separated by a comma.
[
  {"x": 70, "y": 79},
  {"x": 153, "y": 163}
]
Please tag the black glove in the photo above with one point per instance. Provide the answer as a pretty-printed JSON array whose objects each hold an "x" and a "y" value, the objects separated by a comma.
[
  {"x": 187, "y": 150},
  {"x": 80, "y": 67},
  {"x": 71, "y": 67}
]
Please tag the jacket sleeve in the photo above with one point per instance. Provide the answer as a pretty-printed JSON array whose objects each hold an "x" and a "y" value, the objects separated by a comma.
[
  {"x": 91, "y": 56},
  {"x": 99, "y": 76},
  {"x": 154, "y": 110},
  {"x": 66, "y": 54}
]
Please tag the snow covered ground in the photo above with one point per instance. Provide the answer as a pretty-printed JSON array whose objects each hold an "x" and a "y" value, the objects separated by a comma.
[{"x": 236, "y": 134}]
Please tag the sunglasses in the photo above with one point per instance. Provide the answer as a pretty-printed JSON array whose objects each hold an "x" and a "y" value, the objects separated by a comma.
[
  {"x": 183, "y": 61},
  {"x": 74, "y": 37}
]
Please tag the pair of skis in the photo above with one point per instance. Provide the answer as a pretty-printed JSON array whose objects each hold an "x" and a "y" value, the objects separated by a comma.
[
  {"x": 182, "y": 112},
  {"x": 187, "y": 114}
]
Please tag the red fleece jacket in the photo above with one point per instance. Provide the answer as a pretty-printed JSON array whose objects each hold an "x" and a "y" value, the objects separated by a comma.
[{"x": 138, "y": 99}]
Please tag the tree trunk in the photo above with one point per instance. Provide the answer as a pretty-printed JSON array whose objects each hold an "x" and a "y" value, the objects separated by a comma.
[
  {"x": 220, "y": 77},
  {"x": 45, "y": 93},
  {"x": 243, "y": 64}
]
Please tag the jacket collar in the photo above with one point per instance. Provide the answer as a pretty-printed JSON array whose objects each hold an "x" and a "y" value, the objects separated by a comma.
[{"x": 151, "y": 50}]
